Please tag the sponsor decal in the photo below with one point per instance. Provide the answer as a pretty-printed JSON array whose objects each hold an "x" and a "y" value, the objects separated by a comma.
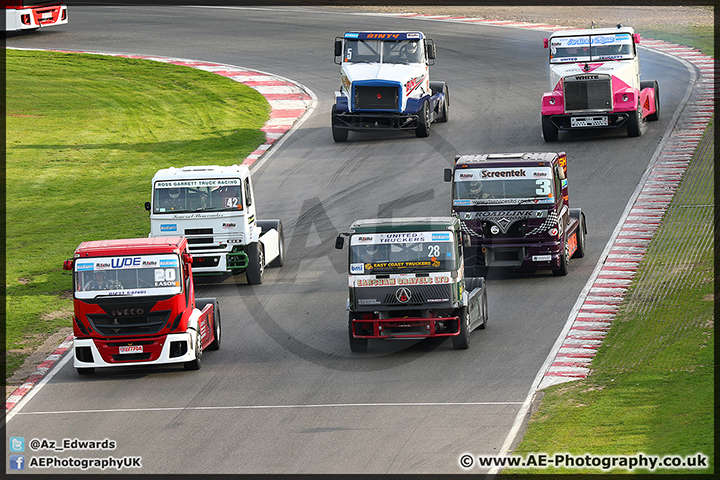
[
  {"x": 413, "y": 83},
  {"x": 502, "y": 173},
  {"x": 131, "y": 349},
  {"x": 541, "y": 258},
  {"x": 356, "y": 268},
  {"x": 149, "y": 263},
  {"x": 214, "y": 182},
  {"x": 81, "y": 267},
  {"x": 171, "y": 262},
  {"x": 465, "y": 176},
  {"x": 229, "y": 225},
  {"x": 168, "y": 227},
  {"x": 368, "y": 301},
  {"x": 437, "y": 237}
]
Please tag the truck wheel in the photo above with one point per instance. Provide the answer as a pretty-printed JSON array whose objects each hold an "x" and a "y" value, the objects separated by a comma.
[
  {"x": 86, "y": 370},
  {"x": 549, "y": 130},
  {"x": 356, "y": 344},
  {"x": 424, "y": 121},
  {"x": 445, "y": 108},
  {"x": 197, "y": 363},
  {"x": 256, "y": 265},
  {"x": 339, "y": 134},
  {"x": 462, "y": 340},
  {"x": 280, "y": 260},
  {"x": 580, "y": 252},
  {"x": 634, "y": 121},
  {"x": 215, "y": 345},
  {"x": 564, "y": 260},
  {"x": 654, "y": 85}
]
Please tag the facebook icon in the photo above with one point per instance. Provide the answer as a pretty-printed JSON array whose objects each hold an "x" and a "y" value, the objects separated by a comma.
[{"x": 17, "y": 462}]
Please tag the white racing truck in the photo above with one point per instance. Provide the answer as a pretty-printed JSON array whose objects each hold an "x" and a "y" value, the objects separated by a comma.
[
  {"x": 595, "y": 82},
  {"x": 214, "y": 208},
  {"x": 385, "y": 84}
]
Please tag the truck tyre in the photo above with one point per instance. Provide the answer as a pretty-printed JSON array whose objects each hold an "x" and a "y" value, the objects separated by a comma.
[
  {"x": 634, "y": 121},
  {"x": 217, "y": 327},
  {"x": 549, "y": 130},
  {"x": 654, "y": 85},
  {"x": 445, "y": 106},
  {"x": 256, "y": 264},
  {"x": 197, "y": 363},
  {"x": 462, "y": 340},
  {"x": 356, "y": 344},
  {"x": 564, "y": 260},
  {"x": 424, "y": 120},
  {"x": 339, "y": 134},
  {"x": 580, "y": 251},
  {"x": 85, "y": 370}
]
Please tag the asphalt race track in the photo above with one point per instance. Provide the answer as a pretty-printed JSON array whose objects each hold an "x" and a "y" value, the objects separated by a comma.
[{"x": 284, "y": 394}]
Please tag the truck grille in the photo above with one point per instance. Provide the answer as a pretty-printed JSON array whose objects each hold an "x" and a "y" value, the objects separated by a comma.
[
  {"x": 148, "y": 324},
  {"x": 588, "y": 93},
  {"x": 425, "y": 295},
  {"x": 376, "y": 98},
  {"x": 198, "y": 231}
]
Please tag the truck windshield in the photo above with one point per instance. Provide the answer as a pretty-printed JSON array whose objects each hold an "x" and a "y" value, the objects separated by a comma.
[
  {"x": 384, "y": 51},
  {"x": 140, "y": 275},
  {"x": 503, "y": 186},
  {"x": 589, "y": 48},
  {"x": 212, "y": 195},
  {"x": 402, "y": 252}
]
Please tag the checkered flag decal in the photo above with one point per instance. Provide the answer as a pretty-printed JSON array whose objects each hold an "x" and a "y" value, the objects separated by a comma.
[{"x": 550, "y": 221}]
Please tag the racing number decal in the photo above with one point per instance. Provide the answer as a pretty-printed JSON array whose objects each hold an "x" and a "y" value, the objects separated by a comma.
[
  {"x": 543, "y": 186},
  {"x": 231, "y": 202},
  {"x": 433, "y": 251}
]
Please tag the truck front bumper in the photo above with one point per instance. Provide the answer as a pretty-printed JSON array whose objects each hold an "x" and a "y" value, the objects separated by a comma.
[
  {"x": 406, "y": 327},
  {"x": 580, "y": 121},
  {"x": 540, "y": 256},
  {"x": 375, "y": 121},
  {"x": 171, "y": 348}
]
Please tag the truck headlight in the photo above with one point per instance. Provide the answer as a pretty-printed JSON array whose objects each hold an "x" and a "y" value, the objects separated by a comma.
[
  {"x": 551, "y": 101},
  {"x": 624, "y": 97}
]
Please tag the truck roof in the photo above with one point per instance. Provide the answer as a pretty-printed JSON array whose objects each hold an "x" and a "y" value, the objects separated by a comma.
[
  {"x": 593, "y": 31},
  {"x": 505, "y": 159},
  {"x": 131, "y": 246},
  {"x": 408, "y": 224},
  {"x": 202, "y": 171},
  {"x": 384, "y": 35}
]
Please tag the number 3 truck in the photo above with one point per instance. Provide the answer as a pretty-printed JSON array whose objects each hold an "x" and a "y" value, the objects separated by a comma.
[{"x": 515, "y": 209}]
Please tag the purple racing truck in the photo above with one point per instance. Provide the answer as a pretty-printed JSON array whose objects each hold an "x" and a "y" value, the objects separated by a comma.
[{"x": 514, "y": 208}]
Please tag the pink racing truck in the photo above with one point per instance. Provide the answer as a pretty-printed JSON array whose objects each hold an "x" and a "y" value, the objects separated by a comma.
[{"x": 595, "y": 82}]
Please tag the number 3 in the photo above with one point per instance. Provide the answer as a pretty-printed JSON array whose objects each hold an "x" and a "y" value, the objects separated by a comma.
[{"x": 544, "y": 184}]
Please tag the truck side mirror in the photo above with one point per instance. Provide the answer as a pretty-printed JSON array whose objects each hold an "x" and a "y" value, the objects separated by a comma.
[
  {"x": 636, "y": 38},
  {"x": 68, "y": 264},
  {"x": 431, "y": 51},
  {"x": 187, "y": 258},
  {"x": 466, "y": 240},
  {"x": 448, "y": 175},
  {"x": 339, "y": 242},
  {"x": 147, "y": 206},
  {"x": 338, "y": 47},
  {"x": 545, "y": 43}
]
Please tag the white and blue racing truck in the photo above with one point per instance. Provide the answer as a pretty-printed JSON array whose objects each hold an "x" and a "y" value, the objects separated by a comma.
[{"x": 385, "y": 84}]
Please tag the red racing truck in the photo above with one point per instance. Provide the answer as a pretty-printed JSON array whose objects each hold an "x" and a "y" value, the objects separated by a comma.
[
  {"x": 515, "y": 209},
  {"x": 135, "y": 305}
]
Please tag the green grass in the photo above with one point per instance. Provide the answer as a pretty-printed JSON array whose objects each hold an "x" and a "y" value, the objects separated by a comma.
[
  {"x": 700, "y": 37},
  {"x": 651, "y": 387},
  {"x": 85, "y": 134}
]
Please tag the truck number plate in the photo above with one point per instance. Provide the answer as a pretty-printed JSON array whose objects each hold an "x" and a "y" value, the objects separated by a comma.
[
  {"x": 131, "y": 349},
  {"x": 47, "y": 16},
  {"x": 601, "y": 121}
]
